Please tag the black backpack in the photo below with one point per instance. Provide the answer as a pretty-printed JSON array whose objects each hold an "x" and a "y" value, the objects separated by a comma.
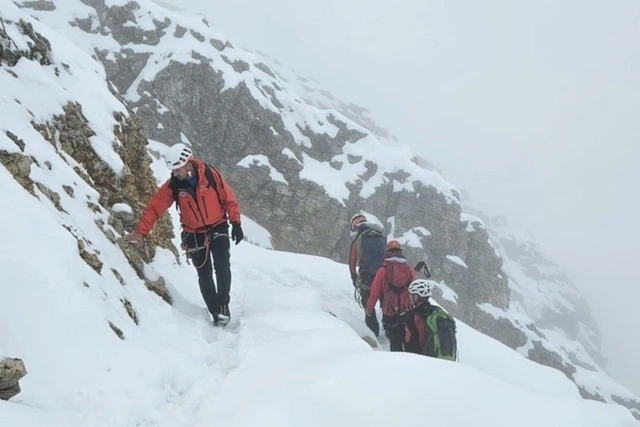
[
  {"x": 373, "y": 245},
  {"x": 440, "y": 339}
]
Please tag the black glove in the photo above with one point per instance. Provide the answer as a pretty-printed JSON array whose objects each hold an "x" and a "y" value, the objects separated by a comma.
[
  {"x": 236, "y": 232},
  {"x": 372, "y": 323},
  {"x": 354, "y": 278}
]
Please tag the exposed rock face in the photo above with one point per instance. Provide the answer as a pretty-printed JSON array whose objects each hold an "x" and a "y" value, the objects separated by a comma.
[
  {"x": 11, "y": 370},
  {"x": 549, "y": 358},
  {"x": 135, "y": 187},
  {"x": 19, "y": 166},
  {"x": 39, "y": 47},
  {"x": 563, "y": 305},
  {"x": 70, "y": 134}
]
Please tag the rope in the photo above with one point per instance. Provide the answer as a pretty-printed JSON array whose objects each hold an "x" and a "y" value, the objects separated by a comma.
[
  {"x": 357, "y": 296},
  {"x": 208, "y": 238}
]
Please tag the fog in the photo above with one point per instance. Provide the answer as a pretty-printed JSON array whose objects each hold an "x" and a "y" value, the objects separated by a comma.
[{"x": 532, "y": 108}]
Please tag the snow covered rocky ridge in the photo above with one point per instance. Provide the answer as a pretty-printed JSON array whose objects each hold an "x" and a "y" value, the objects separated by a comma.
[{"x": 287, "y": 159}]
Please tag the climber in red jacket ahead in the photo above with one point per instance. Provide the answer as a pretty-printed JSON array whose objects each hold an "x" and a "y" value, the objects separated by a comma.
[
  {"x": 390, "y": 286},
  {"x": 205, "y": 202}
]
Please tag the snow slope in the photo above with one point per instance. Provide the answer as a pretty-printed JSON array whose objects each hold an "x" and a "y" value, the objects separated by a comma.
[{"x": 283, "y": 360}]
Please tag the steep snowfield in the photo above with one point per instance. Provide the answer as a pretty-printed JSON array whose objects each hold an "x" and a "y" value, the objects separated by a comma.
[{"x": 283, "y": 360}]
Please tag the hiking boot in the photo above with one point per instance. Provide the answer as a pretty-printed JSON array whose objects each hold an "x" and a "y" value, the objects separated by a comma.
[
  {"x": 214, "y": 318},
  {"x": 224, "y": 316}
]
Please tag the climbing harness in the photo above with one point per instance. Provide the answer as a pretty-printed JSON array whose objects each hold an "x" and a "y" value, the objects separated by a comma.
[{"x": 208, "y": 238}]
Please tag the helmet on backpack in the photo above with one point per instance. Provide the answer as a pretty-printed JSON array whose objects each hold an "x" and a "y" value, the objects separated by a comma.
[
  {"x": 355, "y": 220},
  {"x": 393, "y": 245},
  {"x": 421, "y": 287},
  {"x": 177, "y": 156}
]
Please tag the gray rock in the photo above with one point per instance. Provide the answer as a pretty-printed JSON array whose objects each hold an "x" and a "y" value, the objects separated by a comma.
[
  {"x": 180, "y": 31},
  {"x": 39, "y": 47},
  {"x": 264, "y": 68},
  {"x": 11, "y": 371},
  {"x": 39, "y": 5}
]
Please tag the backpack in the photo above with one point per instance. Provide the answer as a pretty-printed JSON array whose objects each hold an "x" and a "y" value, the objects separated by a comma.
[
  {"x": 397, "y": 299},
  {"x": 373, "y": 245},
  {"x": 440, "y": 340}
]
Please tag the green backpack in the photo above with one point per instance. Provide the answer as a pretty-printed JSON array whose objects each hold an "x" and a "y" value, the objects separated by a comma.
[{"x": 440, "y": 340}]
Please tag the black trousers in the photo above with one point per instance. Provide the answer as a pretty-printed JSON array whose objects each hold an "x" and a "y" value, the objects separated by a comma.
[
  {"x": 365, "y": 291},
  {"x": 218, "y": 250},
  {"x": 394, "y": 328},
  {"x": 412, "y": 346}
]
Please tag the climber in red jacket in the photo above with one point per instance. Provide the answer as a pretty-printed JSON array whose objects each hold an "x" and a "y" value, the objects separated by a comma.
[
  {"x": 206, "y": 203},
  {"x": 390, "y": 286}
]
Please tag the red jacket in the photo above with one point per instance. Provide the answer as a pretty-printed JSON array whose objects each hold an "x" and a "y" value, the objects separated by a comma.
[
  {"x": 199, "y": 208},
  {"x": 421, "y": 328},
  {"x": 381, "y": 286}
]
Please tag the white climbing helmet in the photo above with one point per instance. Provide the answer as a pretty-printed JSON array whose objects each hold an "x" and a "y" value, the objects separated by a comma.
[
  {"x": 177, "y": 156},
  {"x": 421, "y": 287},
  {"x": 355, "y": 220}
]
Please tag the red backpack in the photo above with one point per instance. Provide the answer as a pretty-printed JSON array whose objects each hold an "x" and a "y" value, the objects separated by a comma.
[{"x": 397, "y": 299}]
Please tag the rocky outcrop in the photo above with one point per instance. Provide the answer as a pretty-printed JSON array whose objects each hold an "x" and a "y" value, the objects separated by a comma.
[
  {"x": 71, "y": 136},
  {"x": 11, "y": 371},
  {"x": 19, "y": 166},
  {"x": 39, "y": 48},
  {"x": 563, "y": 305},
  {"x": 134, "y": 186},
  {"x": 549, "y": 358}
]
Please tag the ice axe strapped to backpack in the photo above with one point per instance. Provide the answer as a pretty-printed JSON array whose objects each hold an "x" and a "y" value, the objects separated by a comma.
[{"x": 422, "y": 265}]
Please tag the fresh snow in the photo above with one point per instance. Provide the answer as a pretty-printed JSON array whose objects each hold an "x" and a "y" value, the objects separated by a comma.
[
  {"x": 262, "y": 160},
  {"x": 287, "y": 152},
  {"x": 412, "y": 237},
  {"x": 79, "y": 79},
  {"x": 256, "y": 234},
  {"x": 283, "y": 357},
  {"x": 466, "y": 217},
  {"x": 447, "y": 293},
  {"x": 588, "y": 374},
  {"x": 372, "y": 219},
  {"x": 121, "y": 207},
  {"x": 456, "y": 260}
]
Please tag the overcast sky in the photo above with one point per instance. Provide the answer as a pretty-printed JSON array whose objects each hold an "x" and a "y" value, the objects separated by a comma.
[{"x": 533, "y": 108}]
